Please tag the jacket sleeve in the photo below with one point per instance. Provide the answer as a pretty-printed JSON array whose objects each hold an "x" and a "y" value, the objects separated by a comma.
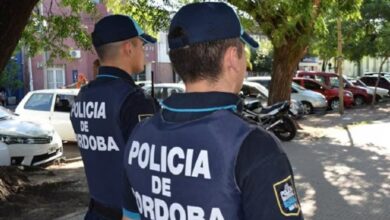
[
  {"x": 265, "y": 177},
  {"x": 134, "y": 109}
]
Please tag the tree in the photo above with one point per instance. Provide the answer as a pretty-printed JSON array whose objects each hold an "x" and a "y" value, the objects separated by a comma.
[
  {"x": 39, "y": 30},
  {"x": 290, "y": 26},
  {"x": 9, "y": 77},
  {"x": 13, "y": 19}
]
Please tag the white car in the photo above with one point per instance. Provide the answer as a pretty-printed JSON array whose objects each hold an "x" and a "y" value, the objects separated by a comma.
[
  {"x": 51, "y": 106},
  {"x": 164, "y": 90},
  {"x": 27, "y": 143},
  {"x": 313, "y": 102},
  {"x": 381, "y": 92}
]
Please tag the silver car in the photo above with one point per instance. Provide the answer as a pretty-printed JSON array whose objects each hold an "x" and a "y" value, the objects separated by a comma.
[{"x": 313, "y": 102}]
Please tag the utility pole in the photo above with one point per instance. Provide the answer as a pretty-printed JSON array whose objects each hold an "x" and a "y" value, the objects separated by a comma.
[{"x": 340, "y": 65}]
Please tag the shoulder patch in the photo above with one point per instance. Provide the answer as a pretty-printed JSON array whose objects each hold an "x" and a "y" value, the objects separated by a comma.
[
  {"x": 143, "y": 116},
  {"x": 286, "y": 197}
]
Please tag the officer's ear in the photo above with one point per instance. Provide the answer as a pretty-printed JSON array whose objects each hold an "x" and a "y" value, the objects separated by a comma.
[
  {"x": 128, "y": 47},
  {"x": 231, "y": 58}
]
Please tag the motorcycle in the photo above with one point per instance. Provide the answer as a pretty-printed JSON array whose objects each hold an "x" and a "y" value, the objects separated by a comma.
[{"x": 275, "y": 118}]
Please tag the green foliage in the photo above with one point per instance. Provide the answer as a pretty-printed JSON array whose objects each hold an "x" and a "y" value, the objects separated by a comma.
[
  {"x": 48, "y": 31},
  {"x": 151, "y": 16},
  {"x": 8, "y": 78},
  {"x": 261, "y": 59},
  {"x": 51, "y": 31},
  {"x": 364, "y": 33}
]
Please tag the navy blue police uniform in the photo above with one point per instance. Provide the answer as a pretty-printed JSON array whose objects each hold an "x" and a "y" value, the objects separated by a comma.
[
  {"x": 103, "y": 115},
  {"x": 198, "y": 158}
]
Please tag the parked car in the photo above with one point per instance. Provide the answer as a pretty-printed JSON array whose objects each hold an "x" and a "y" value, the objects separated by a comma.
[
  {"x": 50, "y": 106},
  {"x": 385, "y": 74},
  {"x": 164, "y": 90},
  {"x": 27, "y": 143},
  {"x": 360, "y": 95},
  {"x": 331, "y": 94},
  {"x": 380, "y": 92},
  {"x": 370, "y": 80},
  {"x": 263, "y": 80},
  {"x": 256, "y": 96},
  {"x": 313, "y": 102}
]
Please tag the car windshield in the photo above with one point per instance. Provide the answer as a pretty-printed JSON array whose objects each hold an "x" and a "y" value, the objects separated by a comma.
[
  {"x": 5, "y": 113},
  {"x": 297, "y": 87},
  {"x": 360, "y": 83}
]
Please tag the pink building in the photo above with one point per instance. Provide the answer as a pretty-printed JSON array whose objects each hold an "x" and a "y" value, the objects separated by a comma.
[{"x": 64, "y": 72}]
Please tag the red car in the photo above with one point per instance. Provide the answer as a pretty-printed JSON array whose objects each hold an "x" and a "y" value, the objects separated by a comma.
[
  {"x": 360, "y": 95},
  {"x": 331, "y": 94}
]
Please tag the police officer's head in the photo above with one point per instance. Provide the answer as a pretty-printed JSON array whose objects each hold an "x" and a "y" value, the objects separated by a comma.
[
  {"x": 118, "y": 41},
  {"x": 206, "y": 43}
]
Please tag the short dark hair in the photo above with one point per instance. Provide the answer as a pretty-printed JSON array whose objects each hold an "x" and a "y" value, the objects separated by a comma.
[{"x": 202, "y": 60}]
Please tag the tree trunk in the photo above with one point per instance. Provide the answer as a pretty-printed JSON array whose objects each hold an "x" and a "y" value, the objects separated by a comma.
[
  {"x": 286, "y": 59},
  {"x": 340, "y": 65},
  {"x": 14, "y": 15}
]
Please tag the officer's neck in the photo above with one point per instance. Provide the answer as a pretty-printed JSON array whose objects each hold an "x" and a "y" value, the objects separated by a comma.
[{"x": 117, "y": 64}]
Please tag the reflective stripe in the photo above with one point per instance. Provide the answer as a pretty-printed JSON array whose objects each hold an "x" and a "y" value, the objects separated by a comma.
[
  {"x": 131, "y": 215},
  {"x": 108, "y": 76},
  {"x": 227, "y": 107}
]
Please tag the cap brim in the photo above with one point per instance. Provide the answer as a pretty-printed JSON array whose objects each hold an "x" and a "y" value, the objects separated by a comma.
[
  {"x": 249, "y": 40},
  {"x": 148, "y": 39}
]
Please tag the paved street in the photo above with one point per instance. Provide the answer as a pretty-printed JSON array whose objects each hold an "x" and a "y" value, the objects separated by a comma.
[{"x": 344, "y": 173}]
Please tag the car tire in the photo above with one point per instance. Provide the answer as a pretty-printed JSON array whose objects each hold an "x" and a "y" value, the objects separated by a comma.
[
  {"x": 359, "y": 100},
  {"x": 334, "y": 104},
  {"x": 307, "y": 108}
]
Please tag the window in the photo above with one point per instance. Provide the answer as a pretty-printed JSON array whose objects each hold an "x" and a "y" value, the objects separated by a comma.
[
  {"x": 39, "y": 102},
  {"x": 63, "y": 103},
  {"x": 321, "y": 79},
  {"x": 334, "y": 82},
  {"x": 55, "y": 77},
  {"x": 311, "y": 85},
  {"x": 249, "y": 91}
]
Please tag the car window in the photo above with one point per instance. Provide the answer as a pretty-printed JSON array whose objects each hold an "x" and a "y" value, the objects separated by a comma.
[
  {"x": 334, "y": 81},
  {"x": 173, "y": 90},
  {"x": 39, "y": 102},
  {"x": 311, "y": 85},
  {"x": 383, "y": 82},
  {"x": 63, "y": 103},
  {"x": 321, "y": 79}
]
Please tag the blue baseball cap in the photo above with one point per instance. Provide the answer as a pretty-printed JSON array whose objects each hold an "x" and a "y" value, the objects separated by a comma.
[
  {"x": 115, "y": 28},
  {"x": 203, "y": 22}
]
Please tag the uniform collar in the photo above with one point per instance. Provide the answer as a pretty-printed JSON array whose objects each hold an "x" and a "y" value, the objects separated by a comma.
[
  {"x": 114, "y": 72},
  {"x": 198, "y": 100}
]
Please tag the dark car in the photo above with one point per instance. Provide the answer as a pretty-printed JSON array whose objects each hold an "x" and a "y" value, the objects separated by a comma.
[
  {"x": 360, "y": 95},
  {"x": 370, "y": 80}
]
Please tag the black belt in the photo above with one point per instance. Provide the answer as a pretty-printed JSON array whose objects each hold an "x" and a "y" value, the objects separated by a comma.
[{"x": 108, "y": 212}]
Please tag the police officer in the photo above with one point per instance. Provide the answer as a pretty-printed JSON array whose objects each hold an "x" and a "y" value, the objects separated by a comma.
[
  {"x": 198, "y": 159},
  {"x": 106, "y": 110}
]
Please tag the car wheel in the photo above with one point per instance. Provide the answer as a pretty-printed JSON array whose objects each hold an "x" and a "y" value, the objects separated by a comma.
[
  {"x": 307, "y": 108},
  {"x": 359, "y": 101},
  {"x": 334, "y": 104}
]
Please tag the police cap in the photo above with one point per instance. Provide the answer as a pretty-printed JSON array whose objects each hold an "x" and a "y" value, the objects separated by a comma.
[{"x": 114, "y": 28}]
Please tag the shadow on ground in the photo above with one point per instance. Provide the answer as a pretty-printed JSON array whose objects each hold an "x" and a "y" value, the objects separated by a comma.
[{"x": 340, "y": 181}]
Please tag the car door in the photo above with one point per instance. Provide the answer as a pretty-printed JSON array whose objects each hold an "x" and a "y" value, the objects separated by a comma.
[
  {"x": 38, "y": 107},
  {"x": 60, "y": 116}
]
